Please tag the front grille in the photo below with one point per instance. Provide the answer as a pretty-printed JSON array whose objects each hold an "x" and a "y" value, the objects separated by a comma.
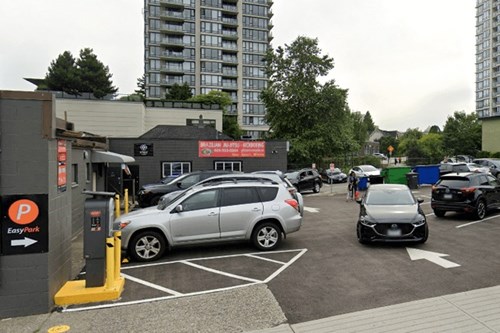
[{"x": 405, "y": 228}]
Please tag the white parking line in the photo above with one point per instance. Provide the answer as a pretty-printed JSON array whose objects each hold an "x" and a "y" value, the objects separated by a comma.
[
  {"x": 478, "y": 221},
  {"x": 234, "y": 276},
  {"x": 151, "y": 285},
  {"x": 175, "y": 294}
]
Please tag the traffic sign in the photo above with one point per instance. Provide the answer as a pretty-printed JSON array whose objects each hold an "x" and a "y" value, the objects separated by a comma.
[
  {"x": 25, "y": 227},
  {"x": 390, "y": 149}
]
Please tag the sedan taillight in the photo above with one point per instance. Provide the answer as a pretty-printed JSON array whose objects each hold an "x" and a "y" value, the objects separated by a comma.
[{"x": 293, "y": 203}]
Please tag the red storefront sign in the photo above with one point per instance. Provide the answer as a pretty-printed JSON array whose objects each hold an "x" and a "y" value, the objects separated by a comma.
[{"x": 231, "y": 149}]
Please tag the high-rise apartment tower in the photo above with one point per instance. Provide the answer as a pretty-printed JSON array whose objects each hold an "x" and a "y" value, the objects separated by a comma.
[{"x": 210, "y": 45}]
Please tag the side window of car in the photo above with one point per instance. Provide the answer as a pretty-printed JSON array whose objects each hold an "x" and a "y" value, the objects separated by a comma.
[
  {"x": 492, "y": 181},
  {"x": 201, "y": 200},
  {"x": 190, "y": 180},
  {"x": 302, "y": 175},
  {"x": 480, "y": 180},
  {"x": 239, "y": 196},
  {"x": 268, "y": 193}
]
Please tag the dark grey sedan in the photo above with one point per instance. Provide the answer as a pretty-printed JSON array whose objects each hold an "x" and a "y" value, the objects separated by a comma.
[{"x": 390, "y": 213}]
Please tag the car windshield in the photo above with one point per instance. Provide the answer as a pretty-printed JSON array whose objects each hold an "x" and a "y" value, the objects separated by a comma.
[
  {"x": 389, "y": 197},
  {"x": 169, "y": 198},
  {"x": 369, "y": 168},
  {"x": 292, "y": 175}
]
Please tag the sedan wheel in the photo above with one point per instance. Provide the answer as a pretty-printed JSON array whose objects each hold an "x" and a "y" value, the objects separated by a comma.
[
  {"x": 480, "y": 211},
  {"x": 316, "y": 188},
  {"x": 361, "y": 239},
  {"x": 147, "y": 246},
  {"x": 266, "y": 236}
]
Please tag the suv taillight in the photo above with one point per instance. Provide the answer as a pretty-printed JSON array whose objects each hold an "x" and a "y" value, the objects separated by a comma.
[
  {"x": 293, "y": 203},
  {"x": 468, "y": 190}
]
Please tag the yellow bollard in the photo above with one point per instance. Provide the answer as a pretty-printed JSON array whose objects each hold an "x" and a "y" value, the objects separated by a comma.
[
  {"x": 125, "y": 200},
  {"x": 110, "y": 258},
  {"x": 117, "y": 206},
  {"x": 118, "y": 249}
]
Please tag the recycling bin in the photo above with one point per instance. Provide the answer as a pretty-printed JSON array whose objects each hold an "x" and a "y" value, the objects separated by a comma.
[
  {"x": 412, "y": 180},
  {"x": 362, "y": 183},
  {"x": 396, "y": 175},
  {"x": 427, "y": 174}
]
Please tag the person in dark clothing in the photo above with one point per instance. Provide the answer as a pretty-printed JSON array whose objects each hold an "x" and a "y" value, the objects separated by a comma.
[{"x": 352, "y": 186}]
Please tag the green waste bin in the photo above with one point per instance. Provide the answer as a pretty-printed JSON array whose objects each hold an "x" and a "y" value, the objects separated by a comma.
[{"x": 395, "y": 175}]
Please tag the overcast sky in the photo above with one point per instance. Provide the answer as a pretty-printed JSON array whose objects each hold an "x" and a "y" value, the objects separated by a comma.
[{"x": 410, "y": 63}]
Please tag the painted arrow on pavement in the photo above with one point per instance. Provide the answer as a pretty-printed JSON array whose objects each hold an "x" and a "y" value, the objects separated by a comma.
[
  {"x": 311, "y": 209},
  {"x": 416, "y": 254},
  {"x": 23, "y": 242}
]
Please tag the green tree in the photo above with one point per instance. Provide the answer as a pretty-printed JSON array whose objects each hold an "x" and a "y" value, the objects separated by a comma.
[
  {"x": 387, "y": 141},
  {"x": 435, "y": 129},
  {"x": 141, "y": 87},
  {"x": 62, "y": 75},
  {"x": 93, "y": 76},
  {"x": 179, "y": 92},
  {"x": 368, "y": 122},
  {"x": 230, "y": 124},
  {"x": 408, "y": 146},
  {"x": 431, "y": 146},
  {"x": 360, "y": 130},
  {"x": 313, "y": 117},
  {"x": 462, "y": 134}
]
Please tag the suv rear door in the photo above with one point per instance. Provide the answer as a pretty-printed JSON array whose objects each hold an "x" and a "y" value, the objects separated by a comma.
[{"x": 240, "y": 207}]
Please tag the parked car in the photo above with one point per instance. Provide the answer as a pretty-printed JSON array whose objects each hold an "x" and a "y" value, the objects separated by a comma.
[
  {"x": 305, "y": 180},
  {"x": 450, "y": 167},
  {"x": 277, "y": 177},
  {"x": 333, "y": 176},
  {"x": 464, "y": 158},
  {"x": 473, "y": 167},
  {"x": 150, "y": 194},
  {"x": 468, "y": 192},
  {"x": 390, "y": 213},
  {"x": 492, "y": 163},
  {"x": 261, "y": 212},
  {"x": 365, "y": 171},
  {"x": 380, "y": 155}
]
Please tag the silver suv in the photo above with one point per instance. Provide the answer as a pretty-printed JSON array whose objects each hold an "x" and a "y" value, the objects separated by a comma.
[{"x": 260, "y": 211}]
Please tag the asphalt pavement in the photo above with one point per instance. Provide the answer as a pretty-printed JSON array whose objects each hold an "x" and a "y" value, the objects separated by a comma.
[{"x": 254, "y": 308}]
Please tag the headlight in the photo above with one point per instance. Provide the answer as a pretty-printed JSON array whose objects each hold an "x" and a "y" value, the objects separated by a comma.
[
  {"x": 366, "y": 222},
  {"x": 420, "y": 222}
]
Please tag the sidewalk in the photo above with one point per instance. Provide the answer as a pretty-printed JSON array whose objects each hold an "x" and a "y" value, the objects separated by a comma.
[{"x": 473, "y": 311}]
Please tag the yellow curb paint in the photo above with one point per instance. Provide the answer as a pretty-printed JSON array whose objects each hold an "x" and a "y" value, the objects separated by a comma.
[{"x": 58, "y": 329}]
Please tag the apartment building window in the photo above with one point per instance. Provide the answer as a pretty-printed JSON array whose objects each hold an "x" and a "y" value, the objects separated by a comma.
[
  {"x": 74, "y": 171},
  {"x": 211, "y": 27},
  {"x": 154, "y": 64},
  {"x": 154, "y": 37},
  {"x": 196, "y": 122},
  {"x": 175, "y": 168},
  {"x": 228, "y": 165},
  {"x": 251, "y": 96},
  {"x": 253, "y": 71},
  {"x": 254, "y": 22},
  {"x": 211, "y": 80},
  {"x": 154, "y": 91},
  {"x": 254, "y": 84},
  {"x": 154, "y": 78},
  {"x": 257, "y": 35},
  {"x": 154, "y": 11},
  {"x": 254, "y": 109},
  {"x": 211, "y": 14},
  {"x": 255, "y": 47},
  {"x": 253, "y": 59},
  {"x": 211, "y": 40},
  {"x": 211, "y": 54},
  {"x": 255, "y": 10},
  {"x": 154, "y": 51},
  {"x": 188, "y": 66},
  {"x": 211, "y": 67},
  {"x": 154, "y": 24}
]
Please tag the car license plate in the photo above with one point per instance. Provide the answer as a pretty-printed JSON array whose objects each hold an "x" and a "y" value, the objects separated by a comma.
[
  {"x": 394, "y": 232},
  {"x": 447, "y": 196}
]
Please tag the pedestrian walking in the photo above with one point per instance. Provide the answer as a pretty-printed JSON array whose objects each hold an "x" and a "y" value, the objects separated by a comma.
[{"x": 352, "y": 186}]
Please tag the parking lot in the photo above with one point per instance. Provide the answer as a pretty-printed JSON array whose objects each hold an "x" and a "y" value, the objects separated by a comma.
[{"x": 322, "y": 270}]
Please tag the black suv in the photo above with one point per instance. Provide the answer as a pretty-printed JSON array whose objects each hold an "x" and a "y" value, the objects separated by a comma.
[
  {"x": 306, "y": 179},
  {"x": 150, "y": 194},
  {"x": 468, "y": 192},
  {"x": 492, "y": 163}
]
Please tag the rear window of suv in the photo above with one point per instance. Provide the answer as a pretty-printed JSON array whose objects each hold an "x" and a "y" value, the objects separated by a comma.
[
  {"x": 458, "y": 182},
  {"x": 268, "y": 193}
]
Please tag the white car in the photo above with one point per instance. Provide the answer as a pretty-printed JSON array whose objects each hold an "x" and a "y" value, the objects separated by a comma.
[
  {"x": 261, "y": 211},
  {"x": 380, "y": 155},
  {"x": 365, "y": 171},
  {"x": 473, "y": 167}
]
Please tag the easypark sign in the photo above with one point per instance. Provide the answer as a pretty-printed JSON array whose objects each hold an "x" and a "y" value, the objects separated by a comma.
[{"x": 24, "y": 224}]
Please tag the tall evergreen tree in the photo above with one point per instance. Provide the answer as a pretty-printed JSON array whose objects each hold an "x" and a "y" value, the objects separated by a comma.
[
  {"x": 368, "y": 122},
  {"x": 62, "y": 74},
  {"x": 94, "y": 77},
  {"x": 179, "y": 92}
]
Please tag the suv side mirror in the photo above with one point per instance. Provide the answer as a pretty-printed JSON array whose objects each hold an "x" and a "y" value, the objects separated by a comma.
[
  {"x": 179, "y": 209},
  {"x": 420, "y": 200}
]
